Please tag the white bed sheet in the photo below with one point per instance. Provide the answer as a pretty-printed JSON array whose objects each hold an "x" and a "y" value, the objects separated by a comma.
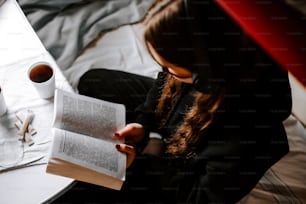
[
  {"x": 298, "y": 100},
  {"x": 121, "y": 49}
]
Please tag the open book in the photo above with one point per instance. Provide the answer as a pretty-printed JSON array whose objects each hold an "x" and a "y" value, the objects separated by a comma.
[{"x": 83, "y": 145}]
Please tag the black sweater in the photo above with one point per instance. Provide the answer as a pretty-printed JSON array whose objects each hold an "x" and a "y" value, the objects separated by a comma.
[{"x": 246, "y": 139}]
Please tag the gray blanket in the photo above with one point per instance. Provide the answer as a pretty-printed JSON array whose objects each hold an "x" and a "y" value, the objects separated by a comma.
[{"x": 66, "y": 27}]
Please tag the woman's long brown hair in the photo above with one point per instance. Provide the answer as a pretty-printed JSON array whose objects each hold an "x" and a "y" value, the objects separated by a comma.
[
  {"x": 169, "y": 33},
  {"x": 183, "y": 143}
]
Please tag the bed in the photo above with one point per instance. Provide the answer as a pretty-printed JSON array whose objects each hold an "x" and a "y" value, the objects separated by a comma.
[{"x": 87, "y": 34}]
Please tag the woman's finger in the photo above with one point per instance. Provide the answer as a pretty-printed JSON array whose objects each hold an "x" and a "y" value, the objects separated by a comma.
[
  {"x": 128, "y": 129},
  {"x": 131, "y": 130},
  {"x": 129, "y": 151}
]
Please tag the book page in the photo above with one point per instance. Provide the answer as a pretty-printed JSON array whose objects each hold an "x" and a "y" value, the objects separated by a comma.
[
  {"x": 90, "y": 152},
  {"x": 88, "y": 116}
]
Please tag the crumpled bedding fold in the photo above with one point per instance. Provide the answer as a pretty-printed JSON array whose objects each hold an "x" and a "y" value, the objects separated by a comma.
[{"x": 67, "y": 27}]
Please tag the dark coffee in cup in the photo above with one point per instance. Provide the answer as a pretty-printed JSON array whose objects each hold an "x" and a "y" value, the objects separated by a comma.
[
  {"x": 42, "y": 76},
  {"x": 41, "y": 73}
]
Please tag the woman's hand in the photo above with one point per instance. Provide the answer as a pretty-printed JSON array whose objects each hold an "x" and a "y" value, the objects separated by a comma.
[{"x": 132, "y": 133}]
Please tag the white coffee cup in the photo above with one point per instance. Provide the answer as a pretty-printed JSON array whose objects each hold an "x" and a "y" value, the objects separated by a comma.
[
  {"x": 42, "y": 76},
  {"x": 3, "y": 107}
]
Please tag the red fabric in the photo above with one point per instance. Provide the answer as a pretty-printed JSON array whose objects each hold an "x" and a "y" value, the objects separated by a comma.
[{"x": 276, "y": 27}]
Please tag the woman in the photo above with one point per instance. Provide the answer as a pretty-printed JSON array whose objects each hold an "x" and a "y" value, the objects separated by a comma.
[{"x": 218, "y": 106}]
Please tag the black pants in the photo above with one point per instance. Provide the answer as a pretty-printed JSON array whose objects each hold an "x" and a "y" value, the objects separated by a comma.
[{"x": 119, "y": 87}]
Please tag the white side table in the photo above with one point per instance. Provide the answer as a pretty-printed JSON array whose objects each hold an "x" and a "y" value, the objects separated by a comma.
[{"x": 19, "y": 46}]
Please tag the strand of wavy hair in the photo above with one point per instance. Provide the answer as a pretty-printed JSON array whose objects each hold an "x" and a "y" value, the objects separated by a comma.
[{"x": 197, "y": 120}]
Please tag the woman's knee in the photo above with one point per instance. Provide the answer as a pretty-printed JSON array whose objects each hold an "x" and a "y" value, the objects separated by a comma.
[{"x": 92, "y": 78}]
